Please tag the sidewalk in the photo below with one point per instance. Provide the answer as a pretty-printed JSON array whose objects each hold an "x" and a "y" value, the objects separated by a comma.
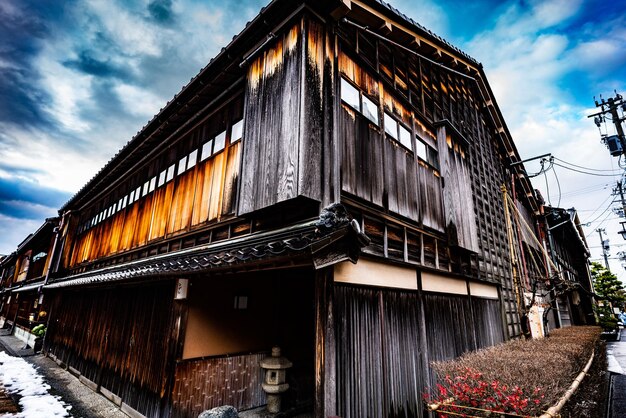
[
  {"x": 616, "y": 357},
  {"x": 85, "y": 402}
]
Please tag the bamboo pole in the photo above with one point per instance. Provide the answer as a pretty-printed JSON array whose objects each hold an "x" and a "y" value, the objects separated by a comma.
[{"x": 553, "y": 411}]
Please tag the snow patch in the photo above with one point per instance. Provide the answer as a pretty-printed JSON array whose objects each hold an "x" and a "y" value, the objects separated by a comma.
[{"x": 20, "y": 378}]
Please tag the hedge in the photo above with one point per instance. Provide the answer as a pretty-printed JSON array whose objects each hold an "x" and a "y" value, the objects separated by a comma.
[{"x": 523, "y": 377}]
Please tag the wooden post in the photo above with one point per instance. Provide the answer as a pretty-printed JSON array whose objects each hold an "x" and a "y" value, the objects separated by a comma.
[
  {"x": 325, "y": 349},
  {"x": 178, "y": 326}
]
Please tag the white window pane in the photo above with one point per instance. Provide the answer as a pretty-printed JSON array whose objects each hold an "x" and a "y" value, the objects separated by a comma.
[
  {"x": 192, "y": 158},
  {"x": 114, "y": 207},
  {"x": 131, "y": 197},
  {"x": 119, "y": 204},
  {"x": 237, "y": 131},
  {"x": 433, "y": 157},
  {"x": 207, "y": 149},
  {"x": 420, "y": 150},
  {"x": 137, "y": 193},
  {"x": 152, "y": 184},
  {"x": 370, "y": 110},
  {"x": 220, "y": 141},
  {"x": 182, "y": 166},
  {"x": 405, "y": 137},
  {"x": 349, "y": 94},
  {"x": 125, "y": 201},
  {"x": 170, "y": 172},
  {"x": 162, "y": 178},
  {"x": 391, "y": 126},
  {"x": 145, "y": 188}
]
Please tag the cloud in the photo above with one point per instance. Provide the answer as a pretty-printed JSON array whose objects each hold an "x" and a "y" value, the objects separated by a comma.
[
  {"x": 18, "y": 191},
  {"x": 15, "y": 231},
  {"x": 161, "y": 11}
]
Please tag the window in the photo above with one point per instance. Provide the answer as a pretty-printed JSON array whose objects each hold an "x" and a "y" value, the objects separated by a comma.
[
  {"x": 119, "y": 204},
  {"x": 350, "y": 95},
  {"x": 370, "y": 109},
  {"x": 152, "y": 184},
  {"x": 144, "y": 191},
  {"x": 170, "y": 172},
  {"x": 427, "y": 153},
  {"x": 220, "y": 142},
  {"x": 397, "y": 131},
  {"x": 162, "y": 178},
  {"x": 207, "y": 150},
  {"x": 131, "y": 197},
  {"x": 182, "y": 166},
  {"x": 124, "y": 202},
  {"x": 137, "y": 193},
  {"x": 236, "y": 131},
  {"x": 405, "y": 137},
  {"x": 192, "y": 158},
  {"x": 391, "y": 126}
]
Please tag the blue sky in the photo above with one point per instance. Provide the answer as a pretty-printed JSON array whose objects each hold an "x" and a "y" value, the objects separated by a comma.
[{"x": 79, "y": 78}]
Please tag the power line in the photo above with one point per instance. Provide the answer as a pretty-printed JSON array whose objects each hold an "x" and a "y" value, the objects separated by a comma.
[
  {"x": 586, "y": 168},
  {"x": 586, "y": 172},
  {"x": 558, "y": 184}
]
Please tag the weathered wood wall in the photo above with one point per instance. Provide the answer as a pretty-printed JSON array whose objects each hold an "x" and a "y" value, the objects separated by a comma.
[
  {"x": 281, "y": 159},
  {"x": 117, "y": 338},
  {"x": 381, "y": 355},
  {"x": 204, "y": 193},
  {"x": 203, "y": 384},
  {"x": 433, "y": 95},
  {"x": 460, "y": 218}
]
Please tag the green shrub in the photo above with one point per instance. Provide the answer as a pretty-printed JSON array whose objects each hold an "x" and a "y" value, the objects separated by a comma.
[{"x": 39, "y": 330}]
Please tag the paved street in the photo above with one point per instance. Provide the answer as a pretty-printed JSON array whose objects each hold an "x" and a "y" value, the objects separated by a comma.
[
  {"x": 616, "y": 356},
  {"x": 83, "y": 401}
]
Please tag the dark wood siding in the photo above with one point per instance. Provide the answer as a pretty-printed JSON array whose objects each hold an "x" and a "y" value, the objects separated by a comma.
[
  {"x": 204, "y": 193},
  {"x": 380, "y": 369},
  {"x": 457, "y": 193},
  {"x": 281, "y": 160},
  {"x": 375, "y": 167},
  {"x": 118, "y": 339}
]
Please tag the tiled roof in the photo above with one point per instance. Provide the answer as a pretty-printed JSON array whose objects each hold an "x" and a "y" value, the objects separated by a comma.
[{"x": 302, "y": 239}]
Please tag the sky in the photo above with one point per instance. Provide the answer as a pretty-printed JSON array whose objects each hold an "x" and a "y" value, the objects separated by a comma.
[{"x": 79, "y": 78}]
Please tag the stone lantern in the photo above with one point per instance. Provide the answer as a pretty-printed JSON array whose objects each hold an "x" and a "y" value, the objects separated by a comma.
[{"x": 275, "y": 378}]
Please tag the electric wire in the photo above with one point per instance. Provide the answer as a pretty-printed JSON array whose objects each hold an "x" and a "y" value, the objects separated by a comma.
[
  {"x": 547, "y": 187},
  {"x": 604, "y": 220},
  {"x": 558, "y": 184},
  {"x": 586, "y": 172},
  {"x": 600, "y": 215},
  {"x": 587, "y": 168}
]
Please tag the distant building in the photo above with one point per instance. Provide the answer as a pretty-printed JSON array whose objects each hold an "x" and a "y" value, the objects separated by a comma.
[{"x": 205, "y": 241}]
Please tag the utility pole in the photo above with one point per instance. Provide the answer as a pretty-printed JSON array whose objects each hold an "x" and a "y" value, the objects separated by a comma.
[
  {"x": 611, "y": 106},
  {"x": 605, "y": 247}
]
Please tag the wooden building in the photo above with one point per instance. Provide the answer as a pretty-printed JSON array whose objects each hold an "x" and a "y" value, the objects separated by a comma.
[
  {"x": 22, "y": 276},
  {"x": 572, "y": 290},
  {"x": 205, "y": 241}
]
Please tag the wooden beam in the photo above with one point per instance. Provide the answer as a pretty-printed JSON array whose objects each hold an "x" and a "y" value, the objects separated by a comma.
[
  {"x": 325, "y": 347},
  {"x": 344, "y": 7}
]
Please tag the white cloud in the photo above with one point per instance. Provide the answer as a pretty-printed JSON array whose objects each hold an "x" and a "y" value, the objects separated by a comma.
[
  {"x": 15, "y": 231},
  {"x": 132, "y": 34}
]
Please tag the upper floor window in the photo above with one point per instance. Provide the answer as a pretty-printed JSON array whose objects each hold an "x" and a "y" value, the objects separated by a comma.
[
  {"x": 236, "y": 131},
  {"x": 397, "y": 131},
  {"x": 359, "y": 101},
  {"x": 427, "y": 153}
]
